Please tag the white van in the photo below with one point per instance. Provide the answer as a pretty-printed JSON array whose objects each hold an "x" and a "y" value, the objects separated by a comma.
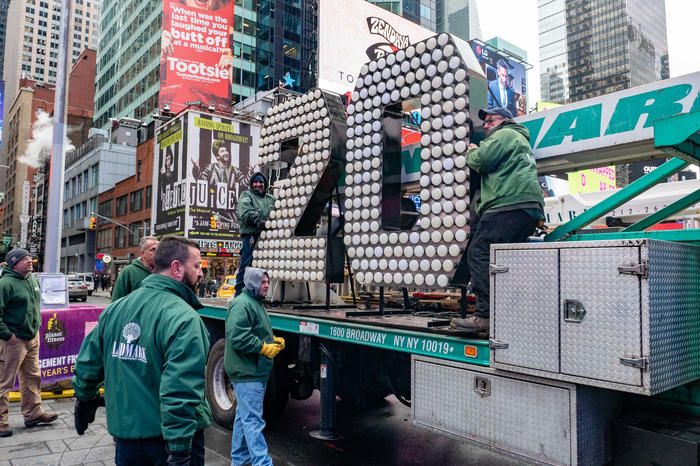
[{"x": 88, "y": 280}]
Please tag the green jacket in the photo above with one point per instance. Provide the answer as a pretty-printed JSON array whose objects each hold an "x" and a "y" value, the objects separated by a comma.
[
  {"x": 247, "y": 327},
  {"x": 507, "y": 168},
  {"x": 129, "y": 279},
  {"x": 253, "y": 209},
  {"x": 150, "y": 350},
  {"x": 19, "y": 306}
]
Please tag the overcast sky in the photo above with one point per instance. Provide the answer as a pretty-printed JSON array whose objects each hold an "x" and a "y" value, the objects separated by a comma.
[{"x": 516, "y": 22}]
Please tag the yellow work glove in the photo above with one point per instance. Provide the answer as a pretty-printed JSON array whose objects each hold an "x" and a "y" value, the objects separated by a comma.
[
  {"x": 270, "y": 350},
  {"x": 279, "y": 341}
]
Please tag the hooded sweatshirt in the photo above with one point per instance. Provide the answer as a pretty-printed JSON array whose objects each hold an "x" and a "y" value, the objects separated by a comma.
[
  {"x": 247, "y": 327},
  {"x": 254, "y": 208},
  {"x": 150, "y": 349},
  {"x": 507, "y": 168},
  {"x": 19, "y": 305},
  {"x": 129, "y": 279}
]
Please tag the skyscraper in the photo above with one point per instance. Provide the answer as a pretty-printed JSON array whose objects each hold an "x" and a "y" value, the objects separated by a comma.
[
  {"x": 4, "y": 5},
  {"x": 458, "y": 17},
  {"x": 32, "y": 39},
  {"x": 594, "y": 47}
]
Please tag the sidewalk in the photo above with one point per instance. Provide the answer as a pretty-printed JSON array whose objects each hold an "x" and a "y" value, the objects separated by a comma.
[{"x": 59, "y": 444}]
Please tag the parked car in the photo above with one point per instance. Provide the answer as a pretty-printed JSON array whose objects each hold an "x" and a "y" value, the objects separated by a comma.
[
  {"x": 227, "y": 287},
  {"x": 77, "y": 289},
  {"x": 88, "y": 280}
]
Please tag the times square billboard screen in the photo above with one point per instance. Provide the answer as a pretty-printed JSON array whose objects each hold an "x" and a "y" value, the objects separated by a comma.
[{"x": 506, "y": 78}]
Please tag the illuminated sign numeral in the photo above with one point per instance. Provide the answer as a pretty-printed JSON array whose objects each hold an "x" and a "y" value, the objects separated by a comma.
[
  {"x": 307, "y": 136},
  {"x": 431, "y": 75}
]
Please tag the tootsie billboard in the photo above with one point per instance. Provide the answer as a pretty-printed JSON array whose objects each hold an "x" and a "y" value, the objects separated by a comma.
[{"x": 196, "y": 53}]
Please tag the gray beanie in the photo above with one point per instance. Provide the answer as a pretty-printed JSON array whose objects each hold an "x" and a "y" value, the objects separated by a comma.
[{"x": 14, "y": 256}]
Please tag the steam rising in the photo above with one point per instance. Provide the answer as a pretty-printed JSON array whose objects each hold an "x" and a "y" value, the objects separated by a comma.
[{"x": 39, "y": 147}]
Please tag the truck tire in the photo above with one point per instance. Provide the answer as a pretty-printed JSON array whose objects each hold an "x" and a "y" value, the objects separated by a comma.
[{"x": 219, "y": 391}]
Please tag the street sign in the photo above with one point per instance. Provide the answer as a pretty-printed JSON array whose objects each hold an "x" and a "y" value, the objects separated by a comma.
[
  {"x": 7, "y": 240},
  {"x": 24, "y": 219},
  {"x": 100, "y": 255},
  {"x": 99, "y": 265},
  {"x": 106, "y": 258}
]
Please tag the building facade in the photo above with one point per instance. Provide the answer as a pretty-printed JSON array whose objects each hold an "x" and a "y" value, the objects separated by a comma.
[
  {"x": 274, "y": 43},
  {"x": 32, "y": 39},
  {"x": 595, "y": 47},
  {"x": 128, "y": 205},
  {"x": 91, "y": 169},
  {"x": 4, "y": 6}
]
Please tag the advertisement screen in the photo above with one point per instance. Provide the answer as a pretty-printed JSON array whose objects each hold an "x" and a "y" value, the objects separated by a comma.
[
  {"x": 592, "y": 180},
  {"x": 2, "y": 105},
  {"x": 506, "y": 77},
  {"x": 347, "y": 41},
  {"x": 196, "y": 54}
]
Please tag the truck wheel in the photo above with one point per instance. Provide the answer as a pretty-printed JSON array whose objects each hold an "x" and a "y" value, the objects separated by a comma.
[{"x": 219, "y": 391}]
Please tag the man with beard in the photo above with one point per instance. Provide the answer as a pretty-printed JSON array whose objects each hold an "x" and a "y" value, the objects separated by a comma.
[
  {"x": 219, "y": 171},
  {"x": 133, "y": 274},
  {"x": 150, "y": 351},
  {"x": 510, "y": 206},
  {"x": 254, "y": 206}
]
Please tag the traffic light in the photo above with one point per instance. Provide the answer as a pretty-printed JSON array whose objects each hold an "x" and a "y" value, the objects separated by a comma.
[
  {"x": 212, "y": 222},
  {"x": 93, "y": 223}
]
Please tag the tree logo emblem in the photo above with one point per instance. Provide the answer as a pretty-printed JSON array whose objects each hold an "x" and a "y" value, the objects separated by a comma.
[{"x": 131, "y": 332}]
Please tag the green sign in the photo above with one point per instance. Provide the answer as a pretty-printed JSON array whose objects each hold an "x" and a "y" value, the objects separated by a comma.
[{"x": 6, "y": 241}]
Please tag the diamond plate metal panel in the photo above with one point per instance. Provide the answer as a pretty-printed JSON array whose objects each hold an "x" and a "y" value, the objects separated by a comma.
[
  {"x": 545, "y": 420},
  {"x": 674, "y": 314},
  {"x": 611, "y": 327},
  {"x": 524, "y": 308}
]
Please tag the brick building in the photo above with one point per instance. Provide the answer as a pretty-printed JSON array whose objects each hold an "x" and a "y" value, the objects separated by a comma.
[{"x": 129, "y": 205}]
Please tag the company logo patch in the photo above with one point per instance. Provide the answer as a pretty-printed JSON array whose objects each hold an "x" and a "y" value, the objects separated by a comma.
[
  {"x": 55, "y": 333},
  {"x": 129, "y": 351}
]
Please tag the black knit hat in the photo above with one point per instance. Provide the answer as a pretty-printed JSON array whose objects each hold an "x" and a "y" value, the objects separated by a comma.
[{"x": 14, "y": 256}]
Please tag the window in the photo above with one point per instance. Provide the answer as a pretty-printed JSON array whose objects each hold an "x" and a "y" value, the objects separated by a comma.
[
  {"x": 149, "y": 194},
  {"x": 85, "y": 180},
  {"x": 120, "y": 240},
  {"x": 105, "y": 210},
  {"x": 138, "y": 170},
  {"x": 136, "y": 230},
  {"x": 104, "y": 239},
  {"x": 121, "y": 206},
  {"x": 95, "y": 175},
  {"x": 136, "y": 201}
]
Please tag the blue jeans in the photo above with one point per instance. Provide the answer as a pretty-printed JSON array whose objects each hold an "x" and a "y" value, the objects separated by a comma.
[
  {"x": 248, "y": 444},
  {"x": 246, "y": 259}
]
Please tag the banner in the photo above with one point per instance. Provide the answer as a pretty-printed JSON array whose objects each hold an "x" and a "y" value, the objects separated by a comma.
[
  {"x": 592, "y": 180},
  {"x": 170, "y": 178},
  {"x": 347, "y": 41},
  {"x": 507, "y": 80},
  {"x": 222, "y": 154},
  {"x": 62, "y": 333},
  {"x": 196, "y": 54}
]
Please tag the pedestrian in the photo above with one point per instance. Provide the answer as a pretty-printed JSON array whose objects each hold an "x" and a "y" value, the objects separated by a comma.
[
  {"x": 20, "y": 318},
  {"x": 250, "y": 348},
  {"x": 254, "y": 206},
  {"x": 510, "y": 206},
  {"x": 202, "y": 288},
  {"x": 132, "y": 275},
  {"x": 150, "y": 351}
]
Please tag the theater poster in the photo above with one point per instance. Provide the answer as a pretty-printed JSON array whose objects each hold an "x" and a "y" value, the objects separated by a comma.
[
  {"x": 170, "y": 177},
  {"x": 196, "y": 59}
]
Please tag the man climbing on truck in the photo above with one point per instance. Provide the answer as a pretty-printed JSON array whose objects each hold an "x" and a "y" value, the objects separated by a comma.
[{"x": 510, "y": 206}]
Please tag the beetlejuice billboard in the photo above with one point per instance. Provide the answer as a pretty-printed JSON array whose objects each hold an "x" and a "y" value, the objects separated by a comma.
[{"x": 203, "y": 164}]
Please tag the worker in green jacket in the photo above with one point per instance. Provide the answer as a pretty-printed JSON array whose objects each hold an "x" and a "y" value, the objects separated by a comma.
[
  {"x": 250, "y": 347},
  {"x": 510, "y": 206},
  {"x": 254, "y": 206},
  {"x": 20, "y": 318},
  {"x": 133, "y": 274},
  {"x": 150, "y": 351}
]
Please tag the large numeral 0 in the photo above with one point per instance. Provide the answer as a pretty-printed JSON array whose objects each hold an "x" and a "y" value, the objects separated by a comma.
[
  {"x": 307, "y": 133},
  {"x": 434, "y": 71}
]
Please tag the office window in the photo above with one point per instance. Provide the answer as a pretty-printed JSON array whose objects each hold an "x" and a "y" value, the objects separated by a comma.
[
  {"x": 136, "y": 201},
  {"x": 121, "y": 206},
  {"x": 149, "y": 194}
]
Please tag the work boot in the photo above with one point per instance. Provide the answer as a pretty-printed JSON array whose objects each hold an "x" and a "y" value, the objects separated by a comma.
[
  {"x": 5, "y": 430},
  {"x": 45, "y": 418},
  {"x": 471, "y": 323}
]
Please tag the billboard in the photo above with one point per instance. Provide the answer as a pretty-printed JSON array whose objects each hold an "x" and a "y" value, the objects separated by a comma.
[
  {"x": 507, "y": 80},
  {"x": 2, "y": 106},
  {"x": 347, "y": 41},
  {"x": 592, "y": 180},
  {"x": 203, "y": 164},
  {"x": 196, "y": 54}
]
